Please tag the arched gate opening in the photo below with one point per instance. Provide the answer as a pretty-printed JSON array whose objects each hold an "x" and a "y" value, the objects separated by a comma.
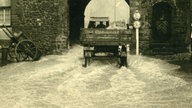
[{"x": 76, "y": 18}]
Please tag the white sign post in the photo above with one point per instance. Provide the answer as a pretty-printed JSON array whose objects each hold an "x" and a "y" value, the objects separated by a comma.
[
  {"x": 137, "y": 25},
  {"x": 137, "y": 41}
]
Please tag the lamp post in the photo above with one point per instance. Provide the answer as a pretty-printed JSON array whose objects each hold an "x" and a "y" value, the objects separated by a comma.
[{"x": 137, "y": 25}]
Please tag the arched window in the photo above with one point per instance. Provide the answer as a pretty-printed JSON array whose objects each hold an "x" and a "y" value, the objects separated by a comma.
[{"x": 115, "y": 10}]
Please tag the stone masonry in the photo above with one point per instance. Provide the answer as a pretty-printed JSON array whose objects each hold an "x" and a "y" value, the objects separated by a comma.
[
  {"x": 180, "y": 21},
  {"x": 44, "y": 20}
]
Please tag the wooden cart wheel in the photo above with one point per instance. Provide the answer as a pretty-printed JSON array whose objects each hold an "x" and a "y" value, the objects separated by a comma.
[
  {"x": 87, "y": 56},
  {"x": 25, "y": 49},
  {"x": 123, "y": 57},
  {"x": 123, "y": 61},
  {"x": 86, "y": 62}
]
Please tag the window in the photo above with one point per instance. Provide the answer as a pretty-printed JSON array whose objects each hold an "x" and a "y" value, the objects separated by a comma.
[{"x": 5, "y": 16}]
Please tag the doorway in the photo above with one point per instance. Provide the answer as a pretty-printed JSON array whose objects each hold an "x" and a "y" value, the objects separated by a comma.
[{"x": 161, "y": 22}]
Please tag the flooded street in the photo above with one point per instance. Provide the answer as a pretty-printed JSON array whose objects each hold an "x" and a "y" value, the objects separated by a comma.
[{"x": 60, "y": 81}]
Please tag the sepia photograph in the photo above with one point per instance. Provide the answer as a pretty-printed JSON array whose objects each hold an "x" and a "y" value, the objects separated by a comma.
[{"x": 95, "y": 53}]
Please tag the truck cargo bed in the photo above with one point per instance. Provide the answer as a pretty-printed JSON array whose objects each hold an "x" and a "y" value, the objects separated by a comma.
[{"x": 108, "y": 37}]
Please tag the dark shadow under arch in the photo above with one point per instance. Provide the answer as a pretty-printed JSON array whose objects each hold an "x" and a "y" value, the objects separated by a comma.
[
  {"x": 128, "y": 2},
  {"x": 76, "y": 18}
]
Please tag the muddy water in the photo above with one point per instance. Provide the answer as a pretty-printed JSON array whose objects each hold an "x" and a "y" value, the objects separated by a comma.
[{"x": 61, "y": 82}]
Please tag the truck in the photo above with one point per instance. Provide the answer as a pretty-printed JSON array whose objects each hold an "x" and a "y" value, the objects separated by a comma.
[{"x": 105, "y": 41}]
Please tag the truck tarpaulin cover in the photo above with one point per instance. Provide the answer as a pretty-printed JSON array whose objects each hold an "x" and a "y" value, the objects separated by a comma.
[{"x": 116, "y": 10}]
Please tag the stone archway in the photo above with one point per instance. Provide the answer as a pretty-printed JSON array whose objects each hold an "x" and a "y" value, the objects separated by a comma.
[
  {"x": 114, "y": 10},
  {"x": 76, "y": 18}
]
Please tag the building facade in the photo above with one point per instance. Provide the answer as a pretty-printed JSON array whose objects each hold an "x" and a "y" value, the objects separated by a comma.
[
  {"x": 46, "y": 22},
  {"x": 53, "y": 24}
]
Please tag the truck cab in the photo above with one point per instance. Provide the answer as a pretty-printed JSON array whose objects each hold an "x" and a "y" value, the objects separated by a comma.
[{"x": 98, "y": 22}]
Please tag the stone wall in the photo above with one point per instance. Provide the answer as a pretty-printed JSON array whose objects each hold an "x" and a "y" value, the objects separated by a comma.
[
  {"x": 41, "y": 21},
  {"x": 180, "y": 21}
]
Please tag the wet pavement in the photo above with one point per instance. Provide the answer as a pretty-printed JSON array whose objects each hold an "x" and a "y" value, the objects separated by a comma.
[{"x": 60, "y": 81}]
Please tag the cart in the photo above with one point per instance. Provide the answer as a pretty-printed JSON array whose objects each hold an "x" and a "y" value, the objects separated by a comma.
[
  {"x": 21, "y": 47},
  {"x": 99, "y": 40},
  {"x": 113, "y": 43}
]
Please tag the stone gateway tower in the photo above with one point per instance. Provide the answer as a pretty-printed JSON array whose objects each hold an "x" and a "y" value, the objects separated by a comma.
[
  {"x": 46, "y": 22},
  {"x": 54, "y": 24}
]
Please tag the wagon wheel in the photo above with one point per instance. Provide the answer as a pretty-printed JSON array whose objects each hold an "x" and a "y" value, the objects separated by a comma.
[
  {"x": 25, "y": 49},
  {"x": 86, "y": 61},
  {"x": 123, "y": 57},
  {"x": 87, "y": 56},
  {"x": 123, "y": 61}
]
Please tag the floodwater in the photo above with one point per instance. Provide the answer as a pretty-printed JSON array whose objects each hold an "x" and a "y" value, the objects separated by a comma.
[{"x": 60, "y": 81}]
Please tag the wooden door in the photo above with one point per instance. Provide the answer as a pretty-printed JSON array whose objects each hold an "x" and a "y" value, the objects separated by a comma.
[{"x": 161, "y": 22}]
